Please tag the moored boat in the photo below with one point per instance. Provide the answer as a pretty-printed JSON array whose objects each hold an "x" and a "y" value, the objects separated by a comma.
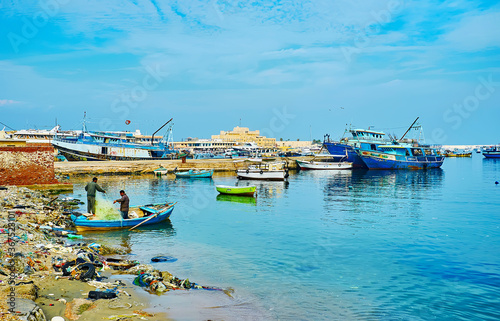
[
  {"x": 100, "y": 146},
  {"x": 160, "y": 171},
  {"x": 193, "y": 173},
  {"x": 148, "y": 214},
  {"x": 401, "y": 156},
  {"x": 236, "y": 190},
  {"x": 345, "y": 149},
  {"x": 492, "y": 152},
  {"x": 323, "y": 162},
  {"x": 457, "y": 153},
  {"x": 271, "y": 171}
]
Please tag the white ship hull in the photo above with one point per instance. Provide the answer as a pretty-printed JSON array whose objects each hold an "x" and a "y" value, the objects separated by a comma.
[
  {"x": 323, "y": 165},
  {"x": 82, "y": 151},
  {"x": 270, "y": 175}
]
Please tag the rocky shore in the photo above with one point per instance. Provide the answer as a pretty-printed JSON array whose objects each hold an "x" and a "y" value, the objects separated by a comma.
[{"x": 48, "y": 272}]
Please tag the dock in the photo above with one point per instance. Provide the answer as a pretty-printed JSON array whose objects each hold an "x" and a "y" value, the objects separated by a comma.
[{"x": 140, "y": 167}]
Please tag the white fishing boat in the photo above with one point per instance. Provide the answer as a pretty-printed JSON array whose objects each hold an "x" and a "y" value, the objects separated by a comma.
[
  {"x": 323, "y": 165},
  {"x": 271, "y": 171},
  {"x": 160, "y": 171},
  {"x": 325, "y": 161}
]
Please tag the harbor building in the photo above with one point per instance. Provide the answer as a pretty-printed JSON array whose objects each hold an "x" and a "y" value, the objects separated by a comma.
[{"x": 195, "y": 144}]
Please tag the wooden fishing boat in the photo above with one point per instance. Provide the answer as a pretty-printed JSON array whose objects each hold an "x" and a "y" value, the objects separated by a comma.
[
  {"x": 148, "y": 214},
  {"x": 236, "y": 190},
  {"x": 160, "y": 171},
  {"x": 195, "y": 174},
  {"x": 273, "y": 171},
  {"x": 323, "y": 164},
  {"x": 456, "y": 153}
]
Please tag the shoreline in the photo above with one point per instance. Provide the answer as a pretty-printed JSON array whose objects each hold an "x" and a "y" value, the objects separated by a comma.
[{"x": 31, "y": 255}]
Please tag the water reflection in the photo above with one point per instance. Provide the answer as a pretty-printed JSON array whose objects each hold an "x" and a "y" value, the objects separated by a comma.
[
  {"x": 491, "y": 164},
  {"x": 122, "y": 238},
  {"x": 366, "y": 181},
  {"x": 374, "y": 192},
  {"x": 237, "y": 199}
]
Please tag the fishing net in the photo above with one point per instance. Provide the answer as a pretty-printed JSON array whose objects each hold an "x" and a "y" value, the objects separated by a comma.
[{"x": 105, "y": 210}]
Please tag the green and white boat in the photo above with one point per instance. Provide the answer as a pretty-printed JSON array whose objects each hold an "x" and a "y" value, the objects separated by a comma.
[
  {"x": 236, "y": 190},
  {"x": 194, "y": 173}
]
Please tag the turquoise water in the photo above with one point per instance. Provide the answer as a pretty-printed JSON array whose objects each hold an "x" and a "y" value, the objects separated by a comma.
[{"x": 360, "y": 245}]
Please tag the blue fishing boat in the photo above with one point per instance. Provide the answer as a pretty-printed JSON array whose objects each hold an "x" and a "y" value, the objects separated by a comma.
[
  {"x": 401, "y": 154},
  {"x": 192, "y": 173},
  {"x": 148, "y": 214},
  {"x": 492, "y": 152},
  {"x": 345, "y": 149},
  {"x": 405, "y": 156}
]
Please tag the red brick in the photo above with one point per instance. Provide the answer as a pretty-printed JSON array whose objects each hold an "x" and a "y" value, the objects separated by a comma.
[{"x": 27, "y": 165}]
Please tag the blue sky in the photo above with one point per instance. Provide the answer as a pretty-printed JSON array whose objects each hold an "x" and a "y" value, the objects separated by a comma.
[{"x": 289, "y": 68}]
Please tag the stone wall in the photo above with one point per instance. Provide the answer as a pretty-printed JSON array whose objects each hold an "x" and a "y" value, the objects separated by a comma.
[{"x": 27, "y": 165}]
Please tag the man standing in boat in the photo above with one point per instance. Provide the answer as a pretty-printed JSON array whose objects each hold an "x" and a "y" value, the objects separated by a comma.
[
  {"x": 123, "y": 204},
  {"x": 91, "y": 188}
]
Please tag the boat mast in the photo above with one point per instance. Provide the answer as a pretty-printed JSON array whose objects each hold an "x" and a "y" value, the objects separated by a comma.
[
  {"x": 152, "y": 136},
  {"x": 84, "y": 126},
  {"x": 408, "y": 129}
]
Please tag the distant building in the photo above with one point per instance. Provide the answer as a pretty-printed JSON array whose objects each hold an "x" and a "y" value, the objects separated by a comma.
[
  {"x": 203, "y": 144},
  {"x": 295, "y": 143},
  {"x": 243, "y": 135}
]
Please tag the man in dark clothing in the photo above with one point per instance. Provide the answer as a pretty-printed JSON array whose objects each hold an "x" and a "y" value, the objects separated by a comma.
[
  {"x": 91, "y": 188},
  {"x": 123, "y": 204}
]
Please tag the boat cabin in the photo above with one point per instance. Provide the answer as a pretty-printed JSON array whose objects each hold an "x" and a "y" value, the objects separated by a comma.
[
  {"x": 493, "y": 149},
  {"x": 407, "y": 151},
  {"x": 367, "y": 139},
  {"x": 275, "y": 166}
]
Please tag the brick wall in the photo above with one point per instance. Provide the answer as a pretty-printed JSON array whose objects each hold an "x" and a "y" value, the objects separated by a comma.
[{"x": 27, "y": 165}]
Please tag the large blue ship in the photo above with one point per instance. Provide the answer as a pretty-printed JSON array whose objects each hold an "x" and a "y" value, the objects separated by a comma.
[
  {"x": 401, "y": 156},
  {"x": 371, "y": 149}
]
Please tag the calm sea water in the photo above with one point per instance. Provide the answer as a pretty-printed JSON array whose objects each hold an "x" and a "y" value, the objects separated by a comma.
[{"x": 360, "y": 245}]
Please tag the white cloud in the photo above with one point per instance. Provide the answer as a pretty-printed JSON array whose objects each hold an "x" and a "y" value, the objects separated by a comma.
[
  {"x": 475, "y": 32},
  {"x": 8, "y": 102}
]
